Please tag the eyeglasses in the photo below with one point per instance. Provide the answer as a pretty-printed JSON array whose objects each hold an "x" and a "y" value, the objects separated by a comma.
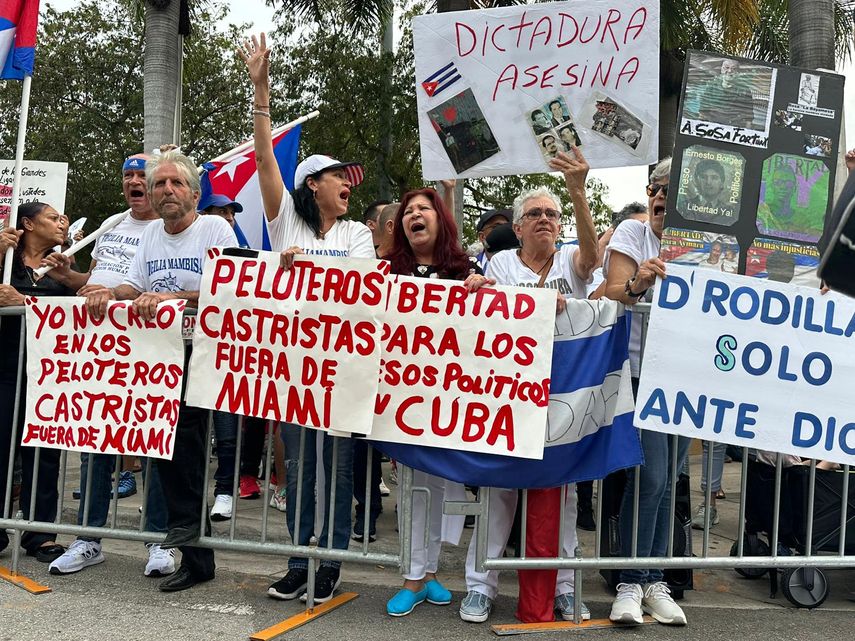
[
  {"x": 654, "y": 188},
  {"x": 537, "y": 212}
]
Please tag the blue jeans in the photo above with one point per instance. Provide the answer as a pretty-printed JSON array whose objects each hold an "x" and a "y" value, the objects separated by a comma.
[
  {"x": 225, "y": 433},
  {"x": 343, "y": 490},
  {"x": 719, "y": 451},
  {"x": 654, "y": 503},
  {"x": 102, "y": 489}
]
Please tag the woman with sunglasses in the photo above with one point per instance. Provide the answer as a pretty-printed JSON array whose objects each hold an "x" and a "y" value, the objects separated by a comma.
[{"x": 631, "y": 265}]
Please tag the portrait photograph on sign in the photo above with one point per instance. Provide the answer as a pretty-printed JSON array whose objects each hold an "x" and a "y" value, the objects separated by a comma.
[
  {"x": 706, "y": 250},
  {"x": 783, "y": 262},
  {"x": 710, "y": 185},
  {"x": 553, "y": 127},
  {"x": 728, "y": 100},
  {"x": 550, "y": 145},
  {"x": 464, "y": 132},
  {"x": 808, "y": 90},
  {"x": 793, "y": 197}
]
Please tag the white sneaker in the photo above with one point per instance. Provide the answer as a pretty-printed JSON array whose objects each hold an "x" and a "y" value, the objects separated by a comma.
[
  {"x": 80, "y": 554},
  {"x": 657, "y": 602},
  {"x": 626, "y": 607},
  {"x": 277, "y": 499},
  {"x": 222, "y": 509},
  {"x": 384, "y": 490},
  {"x": 160, "y": 562}
]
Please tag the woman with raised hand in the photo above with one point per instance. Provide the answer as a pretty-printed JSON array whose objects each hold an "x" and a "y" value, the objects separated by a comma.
[
  {"x": 425, "y": 245},
  {"x": 307, "y": 221}
]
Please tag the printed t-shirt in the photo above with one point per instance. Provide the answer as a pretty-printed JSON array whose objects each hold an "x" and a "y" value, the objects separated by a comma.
[
  {"x": 344, "y": 238},
  {"x": 173, "y": 262},
  {"x": 114, "y": 251},
  {"x": 508, "y": 269}
]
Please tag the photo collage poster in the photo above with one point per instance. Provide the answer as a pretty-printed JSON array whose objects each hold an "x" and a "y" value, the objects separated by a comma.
[{"x": 753, "y": 168}]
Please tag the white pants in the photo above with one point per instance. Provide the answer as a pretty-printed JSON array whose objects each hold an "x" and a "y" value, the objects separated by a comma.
[
  {"x": 503, "y": 505},
  {"x": 424, "y": 556}
]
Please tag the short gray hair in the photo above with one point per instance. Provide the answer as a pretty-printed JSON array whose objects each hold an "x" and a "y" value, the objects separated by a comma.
[
  {"x": 660, "y": 171},
  {"x": 185, "y": 166},
  {"x": 537, "y": 192}
]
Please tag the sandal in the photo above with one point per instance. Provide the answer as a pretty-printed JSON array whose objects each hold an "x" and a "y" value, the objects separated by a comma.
[
  {"x": 720, "y": 495},
  {"x": 47, "y": 553}
]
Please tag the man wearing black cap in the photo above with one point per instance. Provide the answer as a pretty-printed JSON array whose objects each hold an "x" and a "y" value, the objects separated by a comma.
[{"x": 488, "y": 222}]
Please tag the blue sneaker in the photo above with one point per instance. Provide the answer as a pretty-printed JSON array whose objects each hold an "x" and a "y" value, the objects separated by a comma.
[
  {"x": 127, "y": 484},
  {"x": 437, "y": 594},
  {"x": 564, "y": 605},
  {"x": 404, "y": 602}
]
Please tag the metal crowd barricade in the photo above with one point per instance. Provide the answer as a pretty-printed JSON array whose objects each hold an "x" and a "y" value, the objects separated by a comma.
[
  {"x": 801, "y": 580},
  {"x": 263, "y": 543},
  {"x": 270, "y": 542}
]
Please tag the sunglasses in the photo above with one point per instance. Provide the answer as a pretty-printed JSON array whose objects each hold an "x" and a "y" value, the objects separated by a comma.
[
  {"x": 655, "y": 188},
  {"x": 537, "y": 212}
]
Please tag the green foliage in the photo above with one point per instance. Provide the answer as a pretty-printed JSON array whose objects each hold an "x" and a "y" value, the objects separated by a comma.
[{"x": 86, "y": 104}]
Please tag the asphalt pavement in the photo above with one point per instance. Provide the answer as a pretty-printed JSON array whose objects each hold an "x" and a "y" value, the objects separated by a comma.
[{"x": 114, "y": 601}]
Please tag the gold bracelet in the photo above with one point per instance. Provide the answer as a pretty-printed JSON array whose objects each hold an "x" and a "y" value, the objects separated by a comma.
[{"x": 258, "y": 112}]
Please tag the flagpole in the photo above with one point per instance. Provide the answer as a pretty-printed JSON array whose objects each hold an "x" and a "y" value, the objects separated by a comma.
[
  {"x": 19, "y": 164},
  {"x": 246, "y": 145},
  {"x": 243, "y": 147}
]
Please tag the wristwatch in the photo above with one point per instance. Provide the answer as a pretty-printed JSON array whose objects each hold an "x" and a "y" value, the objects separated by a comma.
[{"x": 627, "y": 289}]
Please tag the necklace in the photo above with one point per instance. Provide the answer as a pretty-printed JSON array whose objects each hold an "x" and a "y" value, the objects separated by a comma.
[{"x": 548, "y": 261}]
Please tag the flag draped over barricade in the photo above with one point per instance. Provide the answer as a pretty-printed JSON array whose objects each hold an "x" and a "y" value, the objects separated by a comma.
[
  {"x": 590, "y": 429},
  {"x": 235, "y": 176},
  {"x": 18, "y": 22}
]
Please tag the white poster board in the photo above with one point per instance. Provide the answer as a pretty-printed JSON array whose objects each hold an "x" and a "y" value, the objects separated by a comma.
[
  {"x": 466, "y": 371},
  {"x": 299, "y": 346},
  {"x": 41, "y": 181},
  {"x": 752, "y": 363},
  {"x": 106, "y": 387},
  {"x": 590, "y": 68}
]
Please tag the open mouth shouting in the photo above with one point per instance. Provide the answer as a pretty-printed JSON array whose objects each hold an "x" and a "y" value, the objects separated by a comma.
[
  {"x": 344, "y": 194},
  {"x": 417, "y": 226}
]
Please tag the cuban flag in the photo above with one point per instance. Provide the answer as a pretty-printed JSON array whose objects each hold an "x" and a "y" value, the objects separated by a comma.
[
  {"x": 236, "y": 177},
  {"x": 590, "y": 430},
  {"x": 18, "y": 22}
]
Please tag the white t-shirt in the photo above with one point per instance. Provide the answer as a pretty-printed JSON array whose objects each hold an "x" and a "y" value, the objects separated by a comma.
[
  {"x": 174, "y": 262},
  {"x": 507, "y": 268},
  {"x": 344, "y": 238},
  {"x": 635, "y": 239},
  {"x": 114, "y": 251}
]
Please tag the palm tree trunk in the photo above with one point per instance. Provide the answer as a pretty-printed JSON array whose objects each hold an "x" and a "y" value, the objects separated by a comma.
[
  {"x": 812, "y": 33},
  {"x": 162, "y": 75},
  {"x": 384, "y": 184}
]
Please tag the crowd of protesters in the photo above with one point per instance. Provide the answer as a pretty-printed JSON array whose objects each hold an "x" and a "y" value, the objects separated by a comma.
[{"x": 418, "y": 236}]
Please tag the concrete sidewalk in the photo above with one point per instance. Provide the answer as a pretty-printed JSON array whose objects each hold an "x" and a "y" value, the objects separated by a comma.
[{"x": 236, "y": 599}]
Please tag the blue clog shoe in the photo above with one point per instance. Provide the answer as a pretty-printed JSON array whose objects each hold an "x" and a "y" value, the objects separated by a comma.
[
  {"x": 436, "y": 593},
  {"x": 405, "y": 601}
]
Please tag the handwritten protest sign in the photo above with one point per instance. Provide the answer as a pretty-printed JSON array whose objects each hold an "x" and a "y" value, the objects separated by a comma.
[
  {"x": 465, "y": 371},
  {"x": 757, "y": 364},
  {"x": 41, "y": 181},
  {"x": 500, "y": 91},
  {"x": 109, "y": 387},
  {"x": 300, "y": 346}
]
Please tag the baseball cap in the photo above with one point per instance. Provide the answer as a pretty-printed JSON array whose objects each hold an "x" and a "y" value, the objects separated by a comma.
[
  {"x": 218, "y": 200},
  {"x": 501, "y": 238},
  {"x": 487, "y": 216},
  {"x": 317, "y": 163}
]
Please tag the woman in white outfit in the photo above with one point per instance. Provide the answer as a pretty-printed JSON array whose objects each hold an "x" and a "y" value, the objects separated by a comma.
[
  {"x": 425, "y": 245},
  {"x": 307, "y": 221},
  {"x": 537, "y": 223}
]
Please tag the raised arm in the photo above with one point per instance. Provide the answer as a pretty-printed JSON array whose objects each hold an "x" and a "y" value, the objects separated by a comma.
[
  {"x": 575, "y": 170},
  {"x": 256, "y": 56}
]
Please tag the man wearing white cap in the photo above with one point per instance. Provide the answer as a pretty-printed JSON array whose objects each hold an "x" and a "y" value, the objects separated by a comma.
[{"x": 307, "y": 221}]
